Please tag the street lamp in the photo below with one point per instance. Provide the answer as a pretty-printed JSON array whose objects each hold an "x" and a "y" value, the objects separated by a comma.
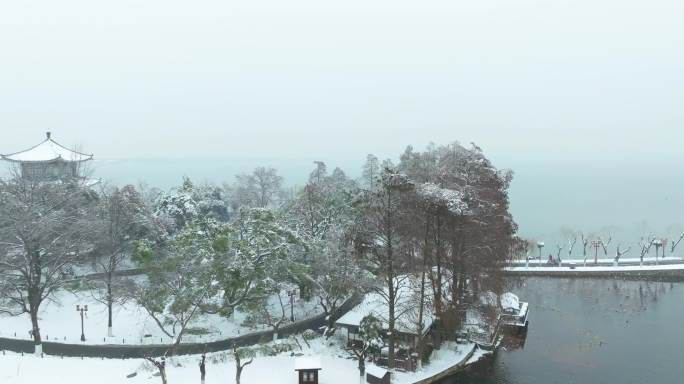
[
  {"x": 292, "y": 294},
  {"x": 540, "y": 245},
  {"x": 82, "y": 309},
  {"x": 658, "y": 244},
  {"x": 596, "y": 244}
]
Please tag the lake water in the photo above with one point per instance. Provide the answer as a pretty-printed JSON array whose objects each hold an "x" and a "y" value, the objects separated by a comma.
[{"x": 594, "y": 331}]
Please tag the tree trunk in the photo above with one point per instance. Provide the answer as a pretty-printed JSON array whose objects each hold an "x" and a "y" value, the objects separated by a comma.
[
  {"x": 34, "y": 306},
  {"x": 390, "y": 281},
  {"x": 391, "y": 325},
  {"x": 419, "y": 344},
  {"x": 439, "y": 308},
  {"x": 110, "y": 303},
  {"x": 35, "y": 331},
  {"x": 238, "y": 371}
]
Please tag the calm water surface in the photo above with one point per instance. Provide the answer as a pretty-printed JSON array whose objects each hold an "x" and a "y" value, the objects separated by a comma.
[{"x": 594, "y": 331}]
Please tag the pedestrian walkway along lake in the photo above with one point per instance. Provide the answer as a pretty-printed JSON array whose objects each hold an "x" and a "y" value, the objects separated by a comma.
[{"x": 593, "y": 331}]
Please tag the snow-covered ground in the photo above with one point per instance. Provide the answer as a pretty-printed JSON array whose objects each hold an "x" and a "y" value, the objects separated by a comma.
[
  {"x": 446, "y": 357},
  {"x": 59, "y": 321},
  {"x": 337, "y": 368}
]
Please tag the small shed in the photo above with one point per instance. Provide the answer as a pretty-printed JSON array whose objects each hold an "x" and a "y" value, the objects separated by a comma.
[
  {"x": 377, "y": 375},
  {"x": 307, "y": 369}
]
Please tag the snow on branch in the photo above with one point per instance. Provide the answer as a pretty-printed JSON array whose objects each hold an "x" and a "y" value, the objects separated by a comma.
[{"x": 450, "y": 199}]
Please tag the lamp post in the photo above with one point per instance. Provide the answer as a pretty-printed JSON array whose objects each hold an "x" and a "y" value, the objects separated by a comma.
[
  {"x": 658, "y": 244},
  {"x": 596, "y": 244},
  {"x": 292, "y": 294},
  {"x": 82, "y": 309},
  {"x": 540, "y": 245}
]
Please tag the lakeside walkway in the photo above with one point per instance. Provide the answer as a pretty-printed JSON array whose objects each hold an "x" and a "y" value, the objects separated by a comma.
[{"x": 670, "y": 270}]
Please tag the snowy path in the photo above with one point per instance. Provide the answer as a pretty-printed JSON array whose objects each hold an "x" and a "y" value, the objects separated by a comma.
[
  {"x": 601, "y": 261},
  {"x": 627, "y": 270}
]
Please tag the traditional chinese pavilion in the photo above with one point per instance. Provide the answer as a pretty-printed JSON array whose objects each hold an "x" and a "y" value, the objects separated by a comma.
[{"x": 49, "y": 160}]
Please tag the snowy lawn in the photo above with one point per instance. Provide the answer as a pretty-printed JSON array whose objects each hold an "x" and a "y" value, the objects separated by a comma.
[
  {"x": 60, "y": 320},
  {"x": 28, "y": 369},
  {"x": 337, "y": 368}
]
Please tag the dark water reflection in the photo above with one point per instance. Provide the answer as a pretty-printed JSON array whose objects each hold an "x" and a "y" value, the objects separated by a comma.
[{"x": 594, "y": 331}]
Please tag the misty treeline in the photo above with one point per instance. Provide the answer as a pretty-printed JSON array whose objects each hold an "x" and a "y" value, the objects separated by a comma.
[{"x": 438, "y": 216}]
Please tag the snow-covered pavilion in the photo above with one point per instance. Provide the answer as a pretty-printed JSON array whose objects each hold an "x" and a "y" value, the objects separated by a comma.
[{"x": 49, "y": 160}]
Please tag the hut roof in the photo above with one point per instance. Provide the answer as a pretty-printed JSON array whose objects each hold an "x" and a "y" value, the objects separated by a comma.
[{"x": 308, "y": 363}]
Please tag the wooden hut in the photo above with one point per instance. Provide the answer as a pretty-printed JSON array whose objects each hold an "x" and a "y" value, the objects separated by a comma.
[{"x": 377, "y": 375}]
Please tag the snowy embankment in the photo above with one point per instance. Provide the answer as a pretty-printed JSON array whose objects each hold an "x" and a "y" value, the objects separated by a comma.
[
  {"x": 443, "y": 362},
  {"x": 337, "y": 367},
  {"x": 601, "y": 270},
  {"x": 601, "y": 261},
  {"x": 60, "y": 322}
]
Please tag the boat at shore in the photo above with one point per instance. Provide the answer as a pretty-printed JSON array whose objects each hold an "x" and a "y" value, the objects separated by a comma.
[{"x": 513, "y": 317}]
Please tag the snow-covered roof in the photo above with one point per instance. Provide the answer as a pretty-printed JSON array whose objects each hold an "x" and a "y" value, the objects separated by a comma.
[
  {"x": 308, "y": 363},
  {"x": 509, "y": 301},
  {"x": 406, "y": 308},
  {"x": 48, "y": 150},
  {"x": 376, "y": 371}
]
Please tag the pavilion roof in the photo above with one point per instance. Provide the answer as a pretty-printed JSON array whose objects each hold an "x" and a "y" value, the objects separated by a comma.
[{"x": 46, "y": 151}]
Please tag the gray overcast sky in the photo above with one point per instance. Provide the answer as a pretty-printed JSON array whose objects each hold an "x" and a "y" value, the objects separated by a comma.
[
  {"x": 165, "y": 78},
  {"x": 534, "y": 83}
]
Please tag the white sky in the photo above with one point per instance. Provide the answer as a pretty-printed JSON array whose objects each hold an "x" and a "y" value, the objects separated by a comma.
[
  {"x": 284, "y": 78},
  {"x": 534, "y": 83}
]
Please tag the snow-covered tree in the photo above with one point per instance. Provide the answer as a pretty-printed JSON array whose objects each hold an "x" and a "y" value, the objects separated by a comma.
[
  {"x": 269, "y": 307},
  {"x": 585, "y": 244},
  {"x": 43, "y": 233},
  {"x": 121, "y": 219},
  {"x": 239, "y": 355},
  {"x": 263, "y": 266},
  {"x": 337, "y": 277},
  {"x": 371, "y": 340},
  {"x": 161, "y": 367},
  {"x": 324, "y": 204},
  {"x": 645, "y": 244},
  {"x": 619, "y": 253},
  {"x": 188, "y": 203},
  {"x": 371, "y": 172},
  {"x": 382, "y": 239},
  {"x": 458, "y": 220},
  {"x": 261, "y": 189},
  {"x": 181, "y": 277},
  {"x": 674, "y": 244},
  {"x": 178, "y": 207}
]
